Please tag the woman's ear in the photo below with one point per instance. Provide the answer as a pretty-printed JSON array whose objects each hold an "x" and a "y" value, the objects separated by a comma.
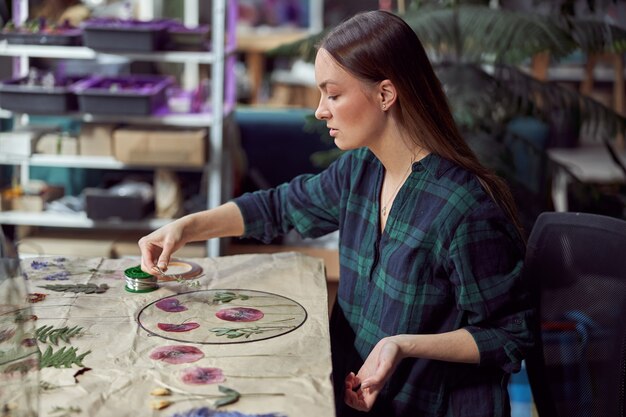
[{"x": 387, "y": 94}]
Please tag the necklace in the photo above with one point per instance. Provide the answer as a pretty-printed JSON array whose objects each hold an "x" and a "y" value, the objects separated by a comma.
[{"x": 404, "y": 177}]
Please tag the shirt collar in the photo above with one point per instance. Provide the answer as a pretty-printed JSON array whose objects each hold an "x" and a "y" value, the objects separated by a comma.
[{"x": 433, "y": 164}]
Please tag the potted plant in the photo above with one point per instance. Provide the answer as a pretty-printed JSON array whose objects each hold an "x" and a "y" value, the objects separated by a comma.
[{"x": 488, "y": 60}]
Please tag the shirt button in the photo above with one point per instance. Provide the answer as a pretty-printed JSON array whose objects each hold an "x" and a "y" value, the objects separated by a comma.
[{"x": 418, "y": 167}]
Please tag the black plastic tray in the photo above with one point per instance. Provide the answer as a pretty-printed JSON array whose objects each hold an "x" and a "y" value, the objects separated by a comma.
[
  {"x": 96, "y": 96},
  {"x": 128, "y": 36},
  {"x": 101, "y": 204},
  {"x": 18, "y": 97},
  {"x": 73, "y": 37}
]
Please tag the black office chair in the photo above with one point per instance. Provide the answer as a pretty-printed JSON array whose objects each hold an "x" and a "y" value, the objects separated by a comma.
[{"x": 576, "y": 263}]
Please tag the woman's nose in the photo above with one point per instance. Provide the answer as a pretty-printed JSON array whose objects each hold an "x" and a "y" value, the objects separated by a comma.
[{"x": 321, "y": 113}]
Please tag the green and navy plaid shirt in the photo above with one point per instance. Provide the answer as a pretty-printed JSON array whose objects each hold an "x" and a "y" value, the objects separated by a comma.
[{"x": 449, "y": 258}]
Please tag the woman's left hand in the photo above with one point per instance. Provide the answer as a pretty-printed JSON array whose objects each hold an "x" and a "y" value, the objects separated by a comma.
[{"x": 376, "y": 370}]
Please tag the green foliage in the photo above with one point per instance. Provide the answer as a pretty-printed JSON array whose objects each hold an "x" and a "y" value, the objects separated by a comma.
[
  {"x": 62, "y": 358},
  {"x": 246, "y": 332},
  {"x": 224, "y": 297},
  {"x": 76, "y": 288},
  {"x": 48, "y": 334},
  {"x": 231, "y": 396}
]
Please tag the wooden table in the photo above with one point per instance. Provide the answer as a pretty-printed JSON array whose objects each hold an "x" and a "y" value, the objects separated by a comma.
[
  {"x": 254, "y": 44},
  {"x": 134, "y": 343}
]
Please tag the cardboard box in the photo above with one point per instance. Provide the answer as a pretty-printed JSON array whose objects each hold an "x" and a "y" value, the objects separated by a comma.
[
  {"x": 96, "y": 140},
  {"x": 20, "y": 143},
  {"x": 163, "y": 147},
  {"x": 37, "y": 202},
  {"x": 57, "y": 144}
]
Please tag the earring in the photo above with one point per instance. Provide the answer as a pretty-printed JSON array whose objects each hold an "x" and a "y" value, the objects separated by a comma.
[{"x": 384, "y": 107}]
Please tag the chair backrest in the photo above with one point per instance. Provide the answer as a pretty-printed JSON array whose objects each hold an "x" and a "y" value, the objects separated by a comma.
[{"x": 576, "y": 263}]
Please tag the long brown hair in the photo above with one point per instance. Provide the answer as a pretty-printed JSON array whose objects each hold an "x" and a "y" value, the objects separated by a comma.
[{"x": 378, "y": 45}]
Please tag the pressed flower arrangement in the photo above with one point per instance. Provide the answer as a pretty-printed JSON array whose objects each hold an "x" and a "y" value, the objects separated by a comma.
[{"x": 201, "y": 316}]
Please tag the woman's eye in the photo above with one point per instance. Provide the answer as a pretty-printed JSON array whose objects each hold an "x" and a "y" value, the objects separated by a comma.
[{"x": 332, "y": 97}]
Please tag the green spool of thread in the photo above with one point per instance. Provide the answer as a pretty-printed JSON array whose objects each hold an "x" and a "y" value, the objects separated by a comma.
[{"x": 138, "y": 281}]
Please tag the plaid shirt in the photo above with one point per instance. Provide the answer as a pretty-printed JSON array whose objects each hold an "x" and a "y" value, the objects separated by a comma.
[{"x": 448, "y": 259}]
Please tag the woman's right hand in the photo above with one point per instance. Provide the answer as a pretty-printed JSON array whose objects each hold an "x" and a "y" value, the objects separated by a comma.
[{"x": 158, "y": 247}]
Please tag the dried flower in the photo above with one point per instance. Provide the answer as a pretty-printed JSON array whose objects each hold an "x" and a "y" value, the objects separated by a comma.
[
  {"x": 171, "y": 305},
  {"x": 160, "y": 404},
  {"x": 201, "y": 376},
  {"x": 177, "y": 354},
  {"x": 183, "y": 327},
  {"x": 244, "y": 314},
  {"x": 39, "y": 264},
  {"x": 161, "y": 392}
]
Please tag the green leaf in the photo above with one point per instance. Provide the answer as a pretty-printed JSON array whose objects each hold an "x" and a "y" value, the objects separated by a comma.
[
  {"x": 231, "y": 396},
  {"x": 48, "y": 334},
  {"x": 76, "y": 288},
  {"x": 62, "y": 358}
]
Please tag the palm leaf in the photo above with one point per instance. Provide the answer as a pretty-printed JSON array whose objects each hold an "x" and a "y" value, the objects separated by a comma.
[
  {"x": 595, "y": 35},
  {"x": 477, "y": 33},
  {"x": 602, "y": 122}
]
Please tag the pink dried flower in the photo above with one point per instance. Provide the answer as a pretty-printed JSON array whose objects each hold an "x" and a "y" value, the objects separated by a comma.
[
  {"x": 202, "y": 376},
  {"x": 183, "y": 327},
  {"x": 177, "y": 354},
  {"x": 171, "y": 305},
  {"x": 240, "y": 314}
]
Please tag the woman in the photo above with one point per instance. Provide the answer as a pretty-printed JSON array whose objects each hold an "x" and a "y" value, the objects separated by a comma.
[{"x": 431, "y": 315}]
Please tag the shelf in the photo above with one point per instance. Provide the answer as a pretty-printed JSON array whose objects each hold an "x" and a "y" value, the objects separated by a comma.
[
  {"x": 84, "y": 161},
  {"x": 81, "y": 221},
  {"x": 82, "y": 52},
  {"x": 163, "y": 118}
]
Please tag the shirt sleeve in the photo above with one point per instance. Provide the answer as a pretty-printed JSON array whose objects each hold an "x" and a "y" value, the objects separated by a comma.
[
  {"x": 486, "y": 258},
  {"x": 308, "y": 203}
]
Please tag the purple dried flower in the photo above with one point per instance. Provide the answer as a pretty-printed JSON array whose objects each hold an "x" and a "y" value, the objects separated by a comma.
[
  {"x": 183, "y": 327},
  {"x": 171, "y": 305},
  {"x": 177, "y": 354},
  {"x": 244, "y": 314},
  {"x": 60, "y": 259},
  {"x": 202, "y": 376},
  {"x": 208, "y": 412},
  {"x": 39, "y": 264},
  {"x": 57, "y": 276}
]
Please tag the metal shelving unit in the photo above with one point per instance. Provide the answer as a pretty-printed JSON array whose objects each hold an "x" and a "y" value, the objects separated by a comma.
[{"x": 222, "y": 104}]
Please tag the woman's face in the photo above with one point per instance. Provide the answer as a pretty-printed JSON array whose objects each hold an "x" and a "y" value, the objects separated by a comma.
[{"x": 350, "y": 107}]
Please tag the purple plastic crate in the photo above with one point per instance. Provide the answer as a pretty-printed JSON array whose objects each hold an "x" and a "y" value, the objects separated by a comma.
[
  {"x": 109, "y": 34},
  {"x": 17, "y": 95},
  {"x": 64, "y": 37},
  {"x": 137, "y": 95},
  {"x": 188, "y": 38}
]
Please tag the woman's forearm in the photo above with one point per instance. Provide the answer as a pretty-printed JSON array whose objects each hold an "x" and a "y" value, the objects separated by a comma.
[
  {"x": 454, "y": 346},
  {"x": 223, "y": 221}
]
